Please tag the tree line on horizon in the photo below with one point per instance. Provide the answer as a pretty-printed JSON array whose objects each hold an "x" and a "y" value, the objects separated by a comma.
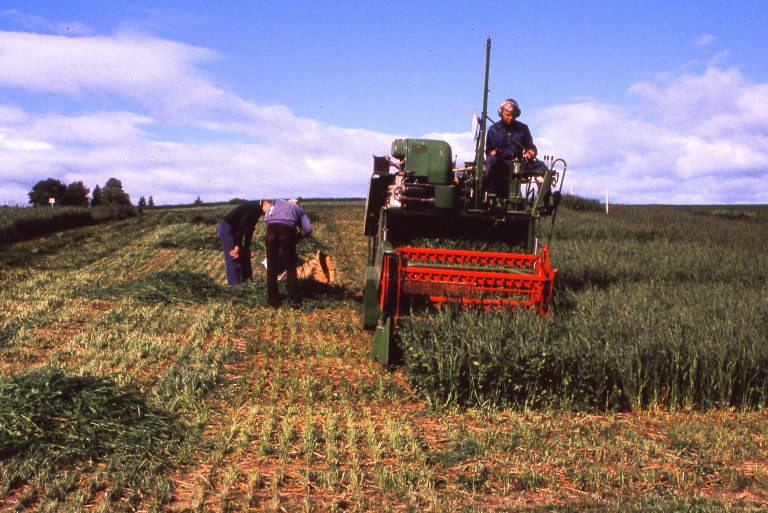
[{"x": 77, "y": 194}]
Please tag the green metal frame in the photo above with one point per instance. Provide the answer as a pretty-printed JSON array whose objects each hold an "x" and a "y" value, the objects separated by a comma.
[{"x": 462, "y": 209}]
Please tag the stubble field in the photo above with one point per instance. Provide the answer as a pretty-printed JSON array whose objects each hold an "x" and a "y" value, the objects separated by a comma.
[{"x": 133, "y": 379}]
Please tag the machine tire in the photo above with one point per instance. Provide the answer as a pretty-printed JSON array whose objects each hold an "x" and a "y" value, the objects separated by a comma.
[
  {"x": 388, "y": 285},
  {"x": 371, "y": 309}
]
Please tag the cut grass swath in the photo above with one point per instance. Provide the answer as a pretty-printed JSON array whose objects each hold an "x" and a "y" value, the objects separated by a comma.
[{"x": 51, "y": 422}]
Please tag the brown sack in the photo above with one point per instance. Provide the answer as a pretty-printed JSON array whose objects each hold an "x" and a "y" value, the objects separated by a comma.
[{"x": 319, "y": 268}]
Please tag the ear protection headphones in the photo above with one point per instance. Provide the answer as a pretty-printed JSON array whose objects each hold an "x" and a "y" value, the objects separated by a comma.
[{"x": 508, "y": 104}]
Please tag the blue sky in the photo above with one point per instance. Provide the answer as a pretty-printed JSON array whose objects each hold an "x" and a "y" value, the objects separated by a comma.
[{"x": 651, "y": 101}]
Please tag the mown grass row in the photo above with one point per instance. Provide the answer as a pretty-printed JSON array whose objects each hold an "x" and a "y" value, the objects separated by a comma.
[
  {"x": 284, "y": 410},
  {"x": 138, "y": 316},
  {"x": 23, "y": 223},
  {"x": 55, "y": 427},
  {"x": 100, "y": 434}
]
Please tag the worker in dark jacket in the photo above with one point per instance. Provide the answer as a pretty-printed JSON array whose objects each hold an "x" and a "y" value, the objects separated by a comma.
[
  {"x": 283, "y": 218},
  {"x": 507, "y": 139},
  {"x": 235, "y": 233}
]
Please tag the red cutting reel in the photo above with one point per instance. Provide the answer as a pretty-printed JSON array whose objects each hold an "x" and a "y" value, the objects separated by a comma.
[{"x": 484, "y": 279}]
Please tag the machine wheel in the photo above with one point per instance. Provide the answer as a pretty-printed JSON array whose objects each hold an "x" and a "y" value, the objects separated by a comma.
[
  {"x": 371, "y": 309},
  {"x": 384, "y": 349},
  {"x": 388, "y": 284}
]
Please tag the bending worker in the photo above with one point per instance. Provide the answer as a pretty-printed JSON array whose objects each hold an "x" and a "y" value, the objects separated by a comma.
[
  {"x": 507, "y": 139},
  {"x": 235, "y": 233},
  {"x": 283, "y": 218}
]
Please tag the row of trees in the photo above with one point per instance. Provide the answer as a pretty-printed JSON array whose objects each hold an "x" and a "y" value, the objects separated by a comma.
[{"x": 76, "y": 194}]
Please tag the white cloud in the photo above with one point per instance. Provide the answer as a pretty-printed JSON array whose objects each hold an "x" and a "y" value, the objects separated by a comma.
[
  {"x": 688, "y": 98},
  {"x": 719, "y": 58},
  {"x": 146, "y": 112},
  {"x": 22, "y": 144},
  {"x": 704, "y": 40},
  {"x": 258, "y": 150},
  {"x": 161, "y": 76},
  {"x": 691, "y": 139}
]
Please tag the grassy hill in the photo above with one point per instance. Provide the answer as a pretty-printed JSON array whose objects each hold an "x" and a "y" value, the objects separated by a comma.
[{"x": 132, "y": 378}]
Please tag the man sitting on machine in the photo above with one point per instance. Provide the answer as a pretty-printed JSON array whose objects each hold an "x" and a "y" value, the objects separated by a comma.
[{"x": 508, "y": 139}]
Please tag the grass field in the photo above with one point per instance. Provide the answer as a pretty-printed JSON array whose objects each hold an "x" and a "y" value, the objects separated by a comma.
[
  {"x": 23, "y": 223},
  {"x": 133, "y": 379}
]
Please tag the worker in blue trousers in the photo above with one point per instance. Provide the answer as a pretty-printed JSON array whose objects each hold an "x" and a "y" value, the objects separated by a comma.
[{"x": 235, "y": 233}]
